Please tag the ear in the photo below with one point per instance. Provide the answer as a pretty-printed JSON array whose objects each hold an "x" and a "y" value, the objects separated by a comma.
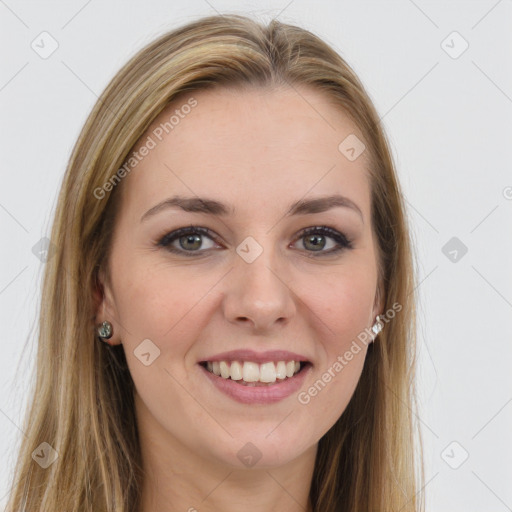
[
  {"x": 378, "y": 304},
  {"x": 104, "y": 305}
]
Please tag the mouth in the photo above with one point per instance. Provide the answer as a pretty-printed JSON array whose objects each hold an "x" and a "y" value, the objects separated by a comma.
[
  {"x": 256, "y": 378},
  {"x": 253, "y": 374}
]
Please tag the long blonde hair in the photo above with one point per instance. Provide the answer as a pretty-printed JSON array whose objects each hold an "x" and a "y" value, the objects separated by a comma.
[{"x": 82, "y": 403}]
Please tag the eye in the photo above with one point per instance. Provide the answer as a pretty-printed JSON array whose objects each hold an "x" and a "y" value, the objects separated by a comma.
[
  {"x": 315, "y": 238},
  {"x": 189, "y": 240}
]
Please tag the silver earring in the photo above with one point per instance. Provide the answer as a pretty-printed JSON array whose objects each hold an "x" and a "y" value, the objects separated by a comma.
[
  {"x": 377, "y": 326},
  {"x": 104, "y": 330}
]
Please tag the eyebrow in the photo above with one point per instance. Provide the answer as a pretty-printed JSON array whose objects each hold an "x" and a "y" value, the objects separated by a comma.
[{"x": 212, "y": 207}]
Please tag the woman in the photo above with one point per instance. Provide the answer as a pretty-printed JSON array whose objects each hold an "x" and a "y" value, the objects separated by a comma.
[{"x": 229, "y": 314}]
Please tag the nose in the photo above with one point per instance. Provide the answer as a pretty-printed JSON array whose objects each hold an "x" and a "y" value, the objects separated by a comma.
[{"x": 258, "y": 296}]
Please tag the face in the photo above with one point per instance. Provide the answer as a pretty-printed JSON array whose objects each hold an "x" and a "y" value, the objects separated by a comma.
[{"x": 243, "y": 274}]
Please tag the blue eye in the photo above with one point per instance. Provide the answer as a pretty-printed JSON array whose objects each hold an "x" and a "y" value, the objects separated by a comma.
[{"x": 190, "y": 240}]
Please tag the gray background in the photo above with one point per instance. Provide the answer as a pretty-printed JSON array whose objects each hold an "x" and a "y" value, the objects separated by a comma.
[{"x": 449, "y": 119}]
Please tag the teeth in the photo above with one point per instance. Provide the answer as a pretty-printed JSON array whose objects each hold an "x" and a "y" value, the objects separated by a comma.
[
  {"x": 281, "y": 370},
  {"x": 250, "y": 372},
  {"x": 235, "y": 371},
  {"x": 253, "y": 372},
  {"x": 268, "y": 372},
  {"x": 224, "y": 369}
]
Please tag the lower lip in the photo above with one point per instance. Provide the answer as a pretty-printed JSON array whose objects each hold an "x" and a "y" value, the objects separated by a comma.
[{"x": 259, "y": 394}]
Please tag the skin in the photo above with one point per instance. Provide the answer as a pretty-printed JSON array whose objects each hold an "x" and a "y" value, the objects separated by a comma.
[{"x": 257, "y": 150}]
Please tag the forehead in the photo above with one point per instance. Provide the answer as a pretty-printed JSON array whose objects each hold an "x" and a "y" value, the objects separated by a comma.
[{"x": 245, "y": 145}]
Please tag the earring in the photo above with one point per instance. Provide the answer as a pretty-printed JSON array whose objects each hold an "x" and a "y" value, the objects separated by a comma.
[
  {"x": 377, "y": 326},
  {"x": 104, "y": 330}
]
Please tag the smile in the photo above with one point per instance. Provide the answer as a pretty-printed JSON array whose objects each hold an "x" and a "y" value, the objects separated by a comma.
[
  {"x": 252, "y": 373},
  {"x": 256, "y": 391}
]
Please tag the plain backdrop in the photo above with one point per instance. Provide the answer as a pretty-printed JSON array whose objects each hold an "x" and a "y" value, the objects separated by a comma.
[{"x": 440, "y": 76}]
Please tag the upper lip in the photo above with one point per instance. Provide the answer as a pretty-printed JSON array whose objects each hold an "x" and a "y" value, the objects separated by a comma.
[{"x": 257, "y": 357}]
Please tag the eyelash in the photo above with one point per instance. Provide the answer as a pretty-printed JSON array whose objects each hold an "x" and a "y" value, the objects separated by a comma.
[{"x": 342, "y": 241}]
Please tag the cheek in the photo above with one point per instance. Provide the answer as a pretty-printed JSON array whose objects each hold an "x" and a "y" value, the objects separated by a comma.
[
  {"x": 162, "y": 305},
  {"x": 342, "y": 308},
  {"x": 159, "y": 302},
  {"x": 326, "y": 399},
  {"x": 343, "y": 304}
]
